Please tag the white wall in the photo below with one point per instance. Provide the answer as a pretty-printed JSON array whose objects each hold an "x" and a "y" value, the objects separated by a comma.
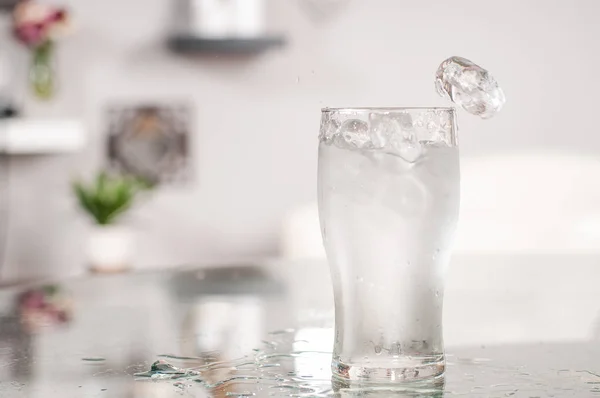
[{"x": 256, "y": 120}]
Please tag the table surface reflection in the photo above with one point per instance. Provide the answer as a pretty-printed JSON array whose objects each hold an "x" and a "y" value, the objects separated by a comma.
[{"x": 94, "y": 336}]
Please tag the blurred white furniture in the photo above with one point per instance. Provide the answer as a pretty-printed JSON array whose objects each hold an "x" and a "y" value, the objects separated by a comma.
[
  {"x": 33, "y": 136},
  {"x": 526, "y": 263},
  {"x": 540, "y": 202},
  {"x": 301, "y": 234}
]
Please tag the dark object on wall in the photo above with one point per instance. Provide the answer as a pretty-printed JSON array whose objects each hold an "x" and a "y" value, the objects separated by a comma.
[
  {"x": 7, "y": 5},
  {"x": 150, "y": 142},
  {"x": 189, "y": 44},
  {"x": 8, "y": 111}
]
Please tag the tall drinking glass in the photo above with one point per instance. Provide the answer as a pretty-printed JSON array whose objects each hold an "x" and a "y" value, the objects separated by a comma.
[{"x": 388, "y": 185}]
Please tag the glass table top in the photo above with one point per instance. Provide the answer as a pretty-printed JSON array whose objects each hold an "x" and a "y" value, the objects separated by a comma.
[{"x": 230, "y": 331}]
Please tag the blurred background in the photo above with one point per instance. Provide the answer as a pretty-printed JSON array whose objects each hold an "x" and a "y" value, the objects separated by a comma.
[{"x": 215, "y": 107}]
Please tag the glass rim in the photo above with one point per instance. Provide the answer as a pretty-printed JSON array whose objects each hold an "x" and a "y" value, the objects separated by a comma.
[
  {"x": 440, "y": 122},
  {"x": 389, "y": 109}
]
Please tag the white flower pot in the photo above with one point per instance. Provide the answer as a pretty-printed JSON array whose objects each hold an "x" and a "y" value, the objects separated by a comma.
[{"x": 110, "y": 248}]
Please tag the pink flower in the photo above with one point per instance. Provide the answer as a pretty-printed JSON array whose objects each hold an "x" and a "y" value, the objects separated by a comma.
[{"x": 36, "y": 23}]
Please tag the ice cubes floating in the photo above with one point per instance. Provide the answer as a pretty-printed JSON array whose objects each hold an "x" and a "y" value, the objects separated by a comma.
[
  {"x": 469, "y": 86},
  {"x": 403, "y": 132}
]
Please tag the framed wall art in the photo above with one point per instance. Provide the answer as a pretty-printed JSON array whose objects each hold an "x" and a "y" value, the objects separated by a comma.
[{"x": 150, "y": 141}]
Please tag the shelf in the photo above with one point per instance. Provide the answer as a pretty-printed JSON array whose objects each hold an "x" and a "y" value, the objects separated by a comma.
[
  {"x": 189, "y": 44},
  {"x": 38, "y": 136}
]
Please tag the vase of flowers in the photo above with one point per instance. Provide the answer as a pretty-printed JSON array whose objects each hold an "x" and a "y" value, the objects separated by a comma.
[
  {"x": 38, "y": 26},
  {"x": 106, "y": 200}
]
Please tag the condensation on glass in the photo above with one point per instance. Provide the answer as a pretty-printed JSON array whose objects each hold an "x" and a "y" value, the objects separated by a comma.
[{"x": 388, "y": 183}]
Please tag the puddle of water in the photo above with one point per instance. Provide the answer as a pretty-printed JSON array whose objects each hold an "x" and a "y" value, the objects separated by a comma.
[
  {"x": 280, "y": 368},
  {"x": 290, "y": 364}
]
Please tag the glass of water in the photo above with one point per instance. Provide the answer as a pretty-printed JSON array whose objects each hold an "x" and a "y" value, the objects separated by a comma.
[{"x": 388, "y": 182}]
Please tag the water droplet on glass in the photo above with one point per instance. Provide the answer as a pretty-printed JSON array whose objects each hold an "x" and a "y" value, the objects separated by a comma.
[
  {"x": 377, "y": 349},
  {"x": 298, "y": 79},
  {"x": 469, "y": 86}
]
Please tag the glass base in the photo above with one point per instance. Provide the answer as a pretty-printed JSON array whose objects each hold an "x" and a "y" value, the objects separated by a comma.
[
  {"x": 350, "y": 389},
  {"x": 406, "y": 370}
]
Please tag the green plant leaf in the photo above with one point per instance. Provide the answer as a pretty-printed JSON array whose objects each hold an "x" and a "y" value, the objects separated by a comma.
[{"x": 108, "y": 196}]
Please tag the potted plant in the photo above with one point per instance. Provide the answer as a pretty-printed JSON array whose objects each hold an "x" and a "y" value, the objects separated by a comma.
[{"x": 106, "y": 199}]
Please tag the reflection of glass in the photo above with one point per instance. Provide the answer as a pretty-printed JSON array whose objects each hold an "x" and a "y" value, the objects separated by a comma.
[{"x": 388, "y": 203}]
